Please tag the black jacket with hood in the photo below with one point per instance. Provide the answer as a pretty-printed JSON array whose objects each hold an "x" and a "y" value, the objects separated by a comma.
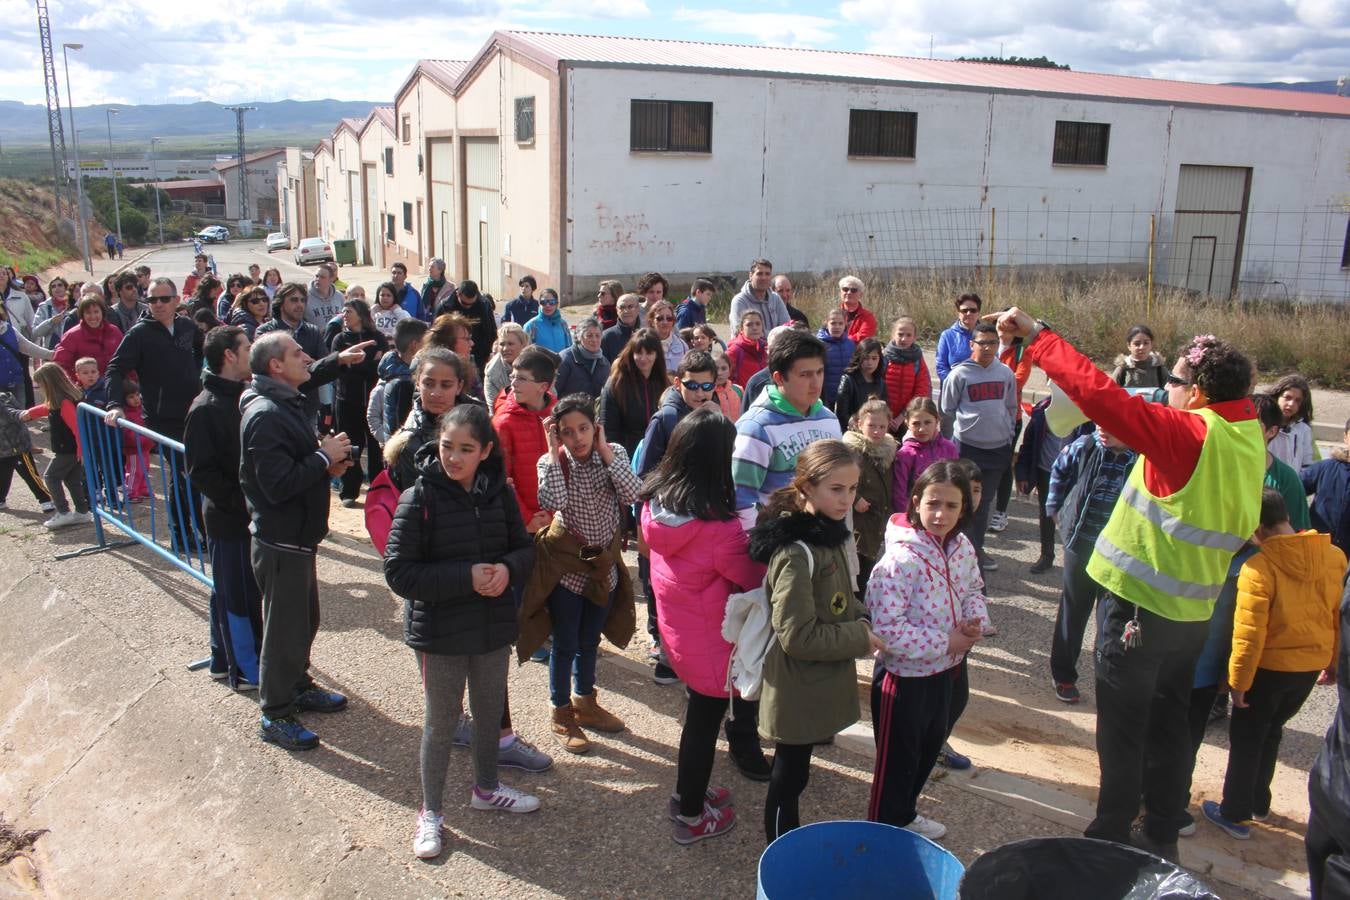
[
  {"x": 440, "y": 531},
  {"x": 168, "y": 361},
  {"x": 211, "y": 441},
  {"x": 283, "y": 474}
]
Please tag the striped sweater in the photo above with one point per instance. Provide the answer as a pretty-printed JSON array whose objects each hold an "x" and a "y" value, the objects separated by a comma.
[{"x": 769, "y": 435}]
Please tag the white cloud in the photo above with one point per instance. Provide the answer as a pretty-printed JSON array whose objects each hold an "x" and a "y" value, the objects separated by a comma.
[
  {"x": 1231, "y": 40},
  {"x": 762, "y": 27}
]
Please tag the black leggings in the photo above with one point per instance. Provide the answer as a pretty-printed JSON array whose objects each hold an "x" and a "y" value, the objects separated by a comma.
[
  {"x": 791, "y": 771},
  {"x": 960, "y": 695},
  {"x": 698, "y": 744}
]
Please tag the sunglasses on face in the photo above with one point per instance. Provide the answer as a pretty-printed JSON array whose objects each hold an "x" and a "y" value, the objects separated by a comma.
[
  {"x": 969, "y": 310},
  {"x": 993, "y": 343},
  {"x": 547, "y": 301},
  {"x": 699, "y": 385},
  {"x": 1174, "y": 381},
  {"x": 663, "y": 318},
  {"x": 850, "y": 290},
  {"x": 162, "y": 299}
]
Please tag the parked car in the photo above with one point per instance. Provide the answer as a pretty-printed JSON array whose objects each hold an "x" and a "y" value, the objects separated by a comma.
[
  {"x": 313, "y": 250},
  {"x": 214, "y": 234},
  {"x": 277, "y": 240}
]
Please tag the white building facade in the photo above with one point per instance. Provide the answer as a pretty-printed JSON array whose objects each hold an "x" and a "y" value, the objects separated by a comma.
[{"x": 575, "y": 158}]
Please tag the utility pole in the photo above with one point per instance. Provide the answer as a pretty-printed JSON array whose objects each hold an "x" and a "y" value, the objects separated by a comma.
[
  {"x": 154, "y": 175},
  {"x": 243, "y": 168},
  {"x": 55, "y": 130},
  {"x": 117, "y": 207},
  {"x": 79, "y": 174}
]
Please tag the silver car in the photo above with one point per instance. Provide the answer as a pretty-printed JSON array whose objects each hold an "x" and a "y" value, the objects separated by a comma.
[
  {"x": 277, "y": 240},
  {"x": 313, "y": 250}
]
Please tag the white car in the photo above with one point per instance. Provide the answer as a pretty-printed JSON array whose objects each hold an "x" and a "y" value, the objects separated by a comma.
[
  {"x": 214, "y": 234},
  {"x": 277, "y": 240},
  {"x": 313, "y": 250}
]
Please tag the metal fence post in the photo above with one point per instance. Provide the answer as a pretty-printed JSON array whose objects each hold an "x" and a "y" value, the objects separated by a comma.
[
  {"x": 1152, "y": 233},
  {"x": 989, "y": 278}
]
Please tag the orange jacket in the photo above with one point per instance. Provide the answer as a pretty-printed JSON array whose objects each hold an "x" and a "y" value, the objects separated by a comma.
[{"x": 1288, "y": 608}]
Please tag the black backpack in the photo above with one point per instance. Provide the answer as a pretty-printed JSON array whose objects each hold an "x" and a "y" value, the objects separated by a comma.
[{"x": 14, "y": 436}]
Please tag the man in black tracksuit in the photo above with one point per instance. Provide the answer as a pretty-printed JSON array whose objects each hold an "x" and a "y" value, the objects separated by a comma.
[
  {"x": 284, "y": 472},
  {"x": 211, "y": 440},
  {"x": 165, "y": 351}
]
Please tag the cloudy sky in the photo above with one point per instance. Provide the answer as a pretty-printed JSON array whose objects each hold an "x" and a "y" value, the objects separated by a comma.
[{"x": 147, "y": 51}]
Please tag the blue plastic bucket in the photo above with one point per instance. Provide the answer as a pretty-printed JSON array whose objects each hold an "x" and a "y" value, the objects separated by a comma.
[{"x": 857, "y": 860}]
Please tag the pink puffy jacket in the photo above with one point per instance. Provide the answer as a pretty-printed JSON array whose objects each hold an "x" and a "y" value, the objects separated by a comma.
[{"x": 696, "y": 564}]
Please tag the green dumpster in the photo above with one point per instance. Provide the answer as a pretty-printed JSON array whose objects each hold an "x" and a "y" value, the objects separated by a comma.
[{"x": 344, "y": 252}]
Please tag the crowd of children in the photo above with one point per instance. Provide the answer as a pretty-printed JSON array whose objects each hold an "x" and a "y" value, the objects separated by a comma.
[{"x": 813, "y": 472}]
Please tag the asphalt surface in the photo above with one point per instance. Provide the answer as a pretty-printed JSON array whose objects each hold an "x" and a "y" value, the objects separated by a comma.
[{"x": 152, "y": 781}]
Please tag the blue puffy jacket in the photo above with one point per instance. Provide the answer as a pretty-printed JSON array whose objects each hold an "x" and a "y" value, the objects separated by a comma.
[{"x": 838, "y": 354}]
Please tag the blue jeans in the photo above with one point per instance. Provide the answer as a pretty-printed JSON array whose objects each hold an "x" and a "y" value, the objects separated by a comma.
[
  {"x": 235, "y": 611},
  {"x": 577, "y": 623}
]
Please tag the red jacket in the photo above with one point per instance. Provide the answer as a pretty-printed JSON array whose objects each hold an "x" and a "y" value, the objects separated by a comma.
[
  {"x": 1169, "y": 439},
  {"x": 521, "y": 431},
  {"x": 1021, "y": 369},
  {"x": 861, "y": 323},
  {"x": 746, "y": 357},
  {"x": 81, "y": 341},
  {"x": 904, "y": 383}
]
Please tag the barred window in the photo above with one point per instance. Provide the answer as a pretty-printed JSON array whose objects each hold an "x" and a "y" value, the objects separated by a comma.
[
  {"x": 880, "y": 132},
  {"x": 1081, "y": 143},
  {"x": 524, "y": 120},
  {"x": 677, "y": 126}
]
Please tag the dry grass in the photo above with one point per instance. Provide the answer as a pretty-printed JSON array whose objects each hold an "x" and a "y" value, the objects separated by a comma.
[{"x": 1096, "y": 313}]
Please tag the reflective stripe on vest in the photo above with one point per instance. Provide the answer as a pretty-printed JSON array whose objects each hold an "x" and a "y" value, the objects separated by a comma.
[{"x": 1170, "y": 554}]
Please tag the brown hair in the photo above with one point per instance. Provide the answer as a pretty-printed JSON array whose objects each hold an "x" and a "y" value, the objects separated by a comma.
[
  {"x": 814, "y": 465},
  {"x": 944, "y": 471}
]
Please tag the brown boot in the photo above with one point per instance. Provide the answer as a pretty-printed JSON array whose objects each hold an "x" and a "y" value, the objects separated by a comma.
[
  {"x": 565, "y": 728},
  {"x": 590, "y": 714}
]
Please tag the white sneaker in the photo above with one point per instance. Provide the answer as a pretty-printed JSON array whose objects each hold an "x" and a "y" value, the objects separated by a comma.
[
  {"x": 427, "y": 843},
  {"x": 506, "y": 799},
  {"x": 48, "y": 506},
  {"x": 60, "y": 520},
  {"x": 998, "y": 521},
  {"x": 927, "y": 828}
]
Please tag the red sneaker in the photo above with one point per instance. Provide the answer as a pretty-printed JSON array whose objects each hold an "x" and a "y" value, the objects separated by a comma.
[{"x": 710, "y": 824}]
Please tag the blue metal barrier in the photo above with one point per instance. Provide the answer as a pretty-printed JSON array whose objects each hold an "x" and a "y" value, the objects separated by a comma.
[{"x": 167, "y": 521}]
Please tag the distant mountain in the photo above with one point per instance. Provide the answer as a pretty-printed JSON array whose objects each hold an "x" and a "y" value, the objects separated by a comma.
[
  {"x": 26, "y": 123},
  {"x": 1309, "y": 87}
]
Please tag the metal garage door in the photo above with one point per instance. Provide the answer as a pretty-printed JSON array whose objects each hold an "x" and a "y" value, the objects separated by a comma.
[
  {"x": 1211, "y": 219},
  {"x": 358, "y": 228},
  {"x": 482, "y": 201},
  {"x": 372, "y": 215},
  {"x": 442, "y": 199}
]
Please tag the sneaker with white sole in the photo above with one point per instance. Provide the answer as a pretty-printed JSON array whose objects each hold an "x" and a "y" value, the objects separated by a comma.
[
  {"x": 927, "y": 828},
  {"x": 61, "y": 520},
  {"x": 427, "y": 841},
  {"x": 505, "y": 799},
  {"x": 716, "y": 797},
  {"x": 48, "y": 506},
  {"x": 998, "y": 521},
  {"x": 521, "y": 754},
  {"x": 710, "y": 823}
]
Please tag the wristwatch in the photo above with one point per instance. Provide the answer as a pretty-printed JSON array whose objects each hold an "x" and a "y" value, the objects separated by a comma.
[{"x": 1036, "y": 329}]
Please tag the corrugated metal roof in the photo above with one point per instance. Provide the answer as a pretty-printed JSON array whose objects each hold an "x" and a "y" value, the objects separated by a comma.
[
  {"x": 252, "y": 157},
  {"x": 446, "y": 71},
  {"x": 550, "y": 48},
  {"x": 188, "y": 184},
  {"x": 385, "y": 114}
]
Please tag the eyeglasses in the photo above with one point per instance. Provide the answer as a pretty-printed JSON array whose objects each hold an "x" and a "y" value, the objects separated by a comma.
[
  {"x": 850, "y": 290},
  {"x": 547, "y": 301},
  {"x": 699, "y": 385},
  {"x": 161, "y": 299},
  {"x": 1174, "y": 381},
  {"x": 968, "y": 310},
  {"x": 993, "y": 343},
  {"x": 663, "y": 318}
]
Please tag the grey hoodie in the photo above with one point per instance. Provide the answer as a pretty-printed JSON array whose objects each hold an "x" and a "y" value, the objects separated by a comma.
[
  {"x": 981, "y": 403},
  {"x": 771, "y": 308},
  {"x": 319, "y": 309}
]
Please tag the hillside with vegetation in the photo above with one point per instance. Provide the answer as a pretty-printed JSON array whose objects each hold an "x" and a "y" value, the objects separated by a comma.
[{"x": 29, "y": 240}]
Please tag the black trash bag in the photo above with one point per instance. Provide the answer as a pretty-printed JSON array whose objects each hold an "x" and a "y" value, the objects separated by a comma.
[{"x": 1074, "y": 868}]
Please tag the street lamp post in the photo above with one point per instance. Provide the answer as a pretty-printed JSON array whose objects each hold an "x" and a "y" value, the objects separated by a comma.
[
  {"x": 154, "y": 174},
  {"x": 79, "y": 173},
  {"x": 117, "y": 207}
]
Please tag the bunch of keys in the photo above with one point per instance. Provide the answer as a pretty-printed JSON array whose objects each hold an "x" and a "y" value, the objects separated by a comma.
[{"x": 1133, "y": 635}]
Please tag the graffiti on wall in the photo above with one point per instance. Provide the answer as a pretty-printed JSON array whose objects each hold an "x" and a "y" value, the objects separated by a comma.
[{"x": 626, "y": 232}]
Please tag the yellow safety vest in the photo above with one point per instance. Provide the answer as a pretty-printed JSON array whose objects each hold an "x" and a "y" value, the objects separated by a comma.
[{"x": 1170, "y": 554}]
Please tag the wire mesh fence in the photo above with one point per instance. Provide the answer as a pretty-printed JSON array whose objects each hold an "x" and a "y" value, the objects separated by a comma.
[{"x": 1252, "y": 255}]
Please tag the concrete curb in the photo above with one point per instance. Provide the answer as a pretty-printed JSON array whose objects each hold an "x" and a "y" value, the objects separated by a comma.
[{"x": 1067, "y": 810}]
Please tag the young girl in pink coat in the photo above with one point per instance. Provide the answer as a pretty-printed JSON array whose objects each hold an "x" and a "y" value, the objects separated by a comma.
[
  {"x": 926, "y": 599},
  {"x": 698, "y": 557}
]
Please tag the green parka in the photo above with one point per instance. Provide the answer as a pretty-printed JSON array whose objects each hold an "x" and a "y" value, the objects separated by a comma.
[{"x": 810, "y": 680}]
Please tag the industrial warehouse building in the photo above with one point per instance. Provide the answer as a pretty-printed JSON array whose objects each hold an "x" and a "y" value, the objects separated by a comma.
[{"x": 575, "y": 158}]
